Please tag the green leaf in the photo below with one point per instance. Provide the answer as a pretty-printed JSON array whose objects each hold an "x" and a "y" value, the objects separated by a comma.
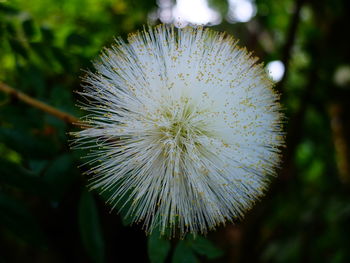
[
  {"x": 61, "y": 58},
  {"x": 221, "y": 5},
  {"x": 205, "y": 247},
  {"x": 8, "y": 10},
  {"x": 28, "y": 28},
  {"x": 16, "y": 176},
  {"x": 40, "y": 49},
  {"x": 75, "y": 39},
  {"x": 158, "y": 248},
  {"x": 26, "y": 143},
  {"x": 2, "y": 30},
  {"x": 90, "y": 229},
  {"x": 10, "y": 29},
  {"x": 183, "y": 253},
  {"x": 17, "y": 219},
  {"x": 46, "y": 34},
  {"x": 37, "y": 165},
  {"x": 18, "y": 48},
  {"x": 60, "y": 175}
]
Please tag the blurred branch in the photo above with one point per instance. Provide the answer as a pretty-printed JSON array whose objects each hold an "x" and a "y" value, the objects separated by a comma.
[
  {"x": 295, "y": 122},
  {"x": 40, "y": 105},
  {"x": 290, "y": 40},
  {"x": 340, "y": 142}
]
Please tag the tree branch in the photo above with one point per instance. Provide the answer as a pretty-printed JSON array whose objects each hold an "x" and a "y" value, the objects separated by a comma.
[{"x": 41, "y": 106}]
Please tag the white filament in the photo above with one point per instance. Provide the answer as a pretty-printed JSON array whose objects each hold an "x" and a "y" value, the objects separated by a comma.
[{"x": 184, "y": 125}]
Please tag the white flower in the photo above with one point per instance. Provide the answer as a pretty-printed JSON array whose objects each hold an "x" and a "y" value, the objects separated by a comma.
[{"x": 184, "y": 125}]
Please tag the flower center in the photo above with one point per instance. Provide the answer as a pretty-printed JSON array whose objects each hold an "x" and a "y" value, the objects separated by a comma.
[
  {"x": 176, "y": 131},
  {"x": 182, "y": 126}
]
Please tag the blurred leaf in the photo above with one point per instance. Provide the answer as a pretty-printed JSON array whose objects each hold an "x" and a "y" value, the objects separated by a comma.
[
  {"x": 338, "y": 257},
  {"x": 37, "y": 165},
  {"x": 75, "y": 39},
  {"x": 61, "y": 58},
  {"x": 158, "y": 247},
  {"x": 60, "y": 175},
  {"x": 35, "y": 83},
  {"x": 28, "y": 28},
  {"x": 9, "y": 154},
  {"x": 27, "y": 144},
  {"x": 16, "y": 176},
  {"x": 184, "y": 254},
  {"x": 10, "y": 29},
  {"x": 220, "y": 5},
  {"x": 315, "y": 171},
  {"x": 205, "y": 247},
  {"x": 47, "y": 34},
  {"x": 41, "y": 50},
  {"x": 90, "y": 229},
  {"x": 2, "y": 30},
  {"x": 18, "y": 48},
  {"x": 16, "y": 218},
  {"x": 8, "y": 10},
  {"x": 61, "y": 97}
]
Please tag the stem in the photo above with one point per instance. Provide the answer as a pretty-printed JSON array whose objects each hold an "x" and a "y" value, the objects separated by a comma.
[{"x": 40, "y": 105}]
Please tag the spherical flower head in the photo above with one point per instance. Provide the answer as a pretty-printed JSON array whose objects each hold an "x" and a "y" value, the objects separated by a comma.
[{"x": 184, "y": 128}]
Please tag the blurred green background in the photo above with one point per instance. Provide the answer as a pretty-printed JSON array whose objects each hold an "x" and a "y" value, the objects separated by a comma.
[{"x": 46, "y": 212}]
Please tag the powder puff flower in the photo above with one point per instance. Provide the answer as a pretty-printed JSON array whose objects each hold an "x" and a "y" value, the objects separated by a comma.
[{"x": 184, "y": 128}]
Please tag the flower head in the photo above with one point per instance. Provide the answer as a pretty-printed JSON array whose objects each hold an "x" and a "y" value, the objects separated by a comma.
[{"x": 184, "y": 125}]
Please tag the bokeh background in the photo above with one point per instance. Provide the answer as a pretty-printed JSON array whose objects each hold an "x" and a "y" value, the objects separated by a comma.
[{"x": 46, "y": 212}]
